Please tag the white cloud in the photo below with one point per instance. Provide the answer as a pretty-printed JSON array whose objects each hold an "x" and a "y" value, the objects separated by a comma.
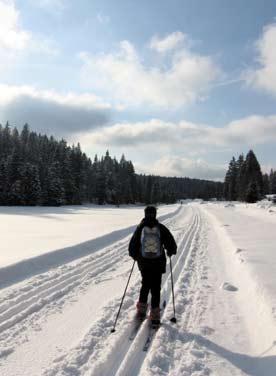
[
  {"x": 10, "y": 93},
  {"x": 252, "y": 130},
  {"x": 170, "y": 42},
  {"x": 12, "y": 37},
  {"x": 126, "y": 79},
  {"x": 265, "y": 76},
  {"x": 159, "y": 146},
  {"x": 179, "y": 166},
  {"x": 186, "y": 136},
  {"x": 15, "y": 42},
  {"x": 50, "y": 111}
]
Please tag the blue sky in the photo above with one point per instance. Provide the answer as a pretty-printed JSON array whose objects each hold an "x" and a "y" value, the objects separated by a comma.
[{"x": 179, "y": 86}]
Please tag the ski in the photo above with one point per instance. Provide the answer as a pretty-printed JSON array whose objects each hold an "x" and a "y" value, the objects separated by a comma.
[
  {"x": 138, "y": 324},
  {"x": 151, "y": 334}
]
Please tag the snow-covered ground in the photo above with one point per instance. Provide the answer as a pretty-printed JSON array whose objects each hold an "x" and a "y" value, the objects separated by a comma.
[
  {"x": 40, "y": 230},
  {"x": 64, "y": 271},
  {"x": 35, "y": 239}
]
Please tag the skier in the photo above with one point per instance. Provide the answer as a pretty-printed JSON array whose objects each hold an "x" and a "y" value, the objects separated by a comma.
[{"x": 147, "y": 248}]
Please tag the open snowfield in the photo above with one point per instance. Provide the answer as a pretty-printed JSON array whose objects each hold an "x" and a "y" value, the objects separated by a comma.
[{"x": 63, "y": 272}]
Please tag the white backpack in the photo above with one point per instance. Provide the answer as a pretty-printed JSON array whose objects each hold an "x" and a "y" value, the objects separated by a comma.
[{"x": 151, "y": 243}]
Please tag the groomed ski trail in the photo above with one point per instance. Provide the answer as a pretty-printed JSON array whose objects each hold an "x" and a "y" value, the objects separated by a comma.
[
  {"x": 58, "y": 323},
  {"x": 26, "y": 307},
  {"x": 114, "y": 354}
]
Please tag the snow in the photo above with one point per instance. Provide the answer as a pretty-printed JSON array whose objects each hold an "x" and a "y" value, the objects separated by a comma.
[
  {"x": 35, "y": 239},
  {"x": 38, "y": 230},
  {"x": 63, "y": 272}
]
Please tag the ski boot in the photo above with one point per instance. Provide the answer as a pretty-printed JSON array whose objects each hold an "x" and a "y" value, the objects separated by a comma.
[
  {"x": 141, "y": 311},
  {"x": 155, "y": 317}
]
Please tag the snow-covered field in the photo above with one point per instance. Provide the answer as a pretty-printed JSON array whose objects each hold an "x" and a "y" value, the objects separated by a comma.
[{"x": 63, "y": 272}]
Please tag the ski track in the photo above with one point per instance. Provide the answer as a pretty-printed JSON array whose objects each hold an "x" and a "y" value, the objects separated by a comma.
[
  {"x": 183, "y": 356},
  {"x": 22, "y": 305},
  {"x": 58, "y": 286},
  {"x": 177, "y": 349},
  {"x": 46, "y": 289},
  {"x": 115, "y": 353}
]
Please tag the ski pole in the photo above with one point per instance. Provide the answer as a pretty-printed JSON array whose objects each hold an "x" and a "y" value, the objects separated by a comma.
[
  {"x": 173, "y": 319},
  {"x": 113, "y": 329}
]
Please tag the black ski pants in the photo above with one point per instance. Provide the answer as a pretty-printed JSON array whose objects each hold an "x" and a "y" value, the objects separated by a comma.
[{"x": 151, "y": 282}]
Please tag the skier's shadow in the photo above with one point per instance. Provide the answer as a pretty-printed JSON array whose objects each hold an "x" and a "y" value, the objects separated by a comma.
[{"x": 250, "y": 365}]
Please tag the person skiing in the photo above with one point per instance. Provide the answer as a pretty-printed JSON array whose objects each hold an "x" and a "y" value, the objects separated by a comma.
[{"x": 147, "y": 246}]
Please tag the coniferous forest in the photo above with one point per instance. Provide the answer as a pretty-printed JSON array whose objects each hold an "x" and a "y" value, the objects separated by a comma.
[
  {"x": 244, "y": 180},
  {"x": 39, "y": 170}
]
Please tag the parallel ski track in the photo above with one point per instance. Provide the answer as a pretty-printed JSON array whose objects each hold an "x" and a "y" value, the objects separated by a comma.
[
  {"x": 43, "y": 290},
  {"x": 55, "y": 287},
  {"x": 133, "y": 358},
  {"x": 123, "y": 357},
  {"x": 81, "y": 358}
]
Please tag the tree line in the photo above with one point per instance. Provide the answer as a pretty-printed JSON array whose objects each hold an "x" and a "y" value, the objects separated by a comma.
[
  {"x": 39, "y": 170},
  {"x": 244, "y": 180}
]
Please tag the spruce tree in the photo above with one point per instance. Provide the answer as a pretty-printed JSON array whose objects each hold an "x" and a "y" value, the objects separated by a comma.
[
  {"x": 3, "y": 183},
  {"x": 253, "y": 174},
  {"x": 266, "y": 184},
  {"x": 53, "y": 193},
  {"x": 272, "y": 182},
  {"x": 241, "y": 183},
  {"x": 252, "y": 193},
  {"x": 233, "y": 172},
  {"x": 30, "y": 185}
]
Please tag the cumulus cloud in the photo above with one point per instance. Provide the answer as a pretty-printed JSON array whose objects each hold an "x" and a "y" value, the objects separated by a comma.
[
  {"x": 179, "y": 166},
  {"x": 170, "y": 42},
  {"x": 12, "y": 37},
  {"x": 160, "y": 146},
  {"x": 128, "y": 80},
  {"x": 252, "y": 130},
  {"x": 264, "y": 77},
  {"x": 16, "y": 41},
  {"x": 51, "y": 112}
]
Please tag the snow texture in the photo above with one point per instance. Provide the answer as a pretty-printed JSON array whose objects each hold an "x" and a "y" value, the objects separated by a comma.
[{"x": 64, "y": 271}]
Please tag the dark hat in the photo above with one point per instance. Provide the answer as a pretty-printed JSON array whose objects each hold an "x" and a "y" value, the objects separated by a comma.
[{"x": 150, "y": 212}]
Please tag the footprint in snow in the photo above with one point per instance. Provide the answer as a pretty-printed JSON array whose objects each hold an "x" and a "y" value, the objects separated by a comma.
[
  {"x": 228, "y": 287},
  {"x": 239, "y": 250}
]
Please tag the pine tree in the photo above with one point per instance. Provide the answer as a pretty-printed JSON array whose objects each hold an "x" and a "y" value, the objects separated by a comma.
[
  {"x": 241, "y": 183},
  {"x": 233, "y": 170},
  {"x": 272, "y": 182},
  {"x": 252, "y": 193},
  {"x": 3, "y": 184},
  {"x": 266, "y": 184},
  {"x": 253, "y": 174},
  {"x": 30, "y": 185},
  {"x": 35, "y": 169},
  {"x": 53, "y": 194},
  {"x": 230, "y": 181}
]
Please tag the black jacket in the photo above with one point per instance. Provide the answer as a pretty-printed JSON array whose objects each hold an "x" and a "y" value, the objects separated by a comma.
[{"x": 167, "y": 242}]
